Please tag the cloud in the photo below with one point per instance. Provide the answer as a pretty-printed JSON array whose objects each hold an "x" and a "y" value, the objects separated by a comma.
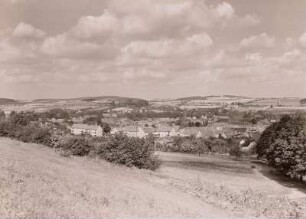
[
  {"x": 153, "y": 28},
  {"x": 155, "y": 19},
  {"x": 202, "y": 40},
  {"x": 8, "y": 52},
  {"x": 293, "y": 59},
  {"x": 225, "y": 10},
  {"x": 150, "y": 19},
  {"x": 302, "y": 40},
  {"x": 248, "y": 20},
  {"x": 27, "y": 31},
  {"x": 141, "y": 74},
  {"x": 225, "y": 16},
  {"x": 64, "y": 46},
  {"x": 169, "y": 47},
  {"x": 253, "y": 57},
  {"x": 134, "y": 25},
  {"x": 20, "y": 45},
  {"x": 161, "y": 43},
  {"x": 258, "y": 42},
  {"x": 290, "y": 43},
  {"x": 99, "y": 27}
]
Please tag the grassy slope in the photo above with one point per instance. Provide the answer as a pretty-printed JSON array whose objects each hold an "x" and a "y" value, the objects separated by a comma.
[
  {"x": 235, "y": 187},
  {"x": 7, "y": 101},
  {"x": 35, "y": 181}
]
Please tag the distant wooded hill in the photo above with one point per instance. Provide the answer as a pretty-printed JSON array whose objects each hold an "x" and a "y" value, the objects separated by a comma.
[
  {"x": 4, "y": 101},
  {"x": 209, "y": 97},
  {"x": 116, "y": 99}
]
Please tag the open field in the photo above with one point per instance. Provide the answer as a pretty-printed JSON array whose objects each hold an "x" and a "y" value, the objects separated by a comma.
[
  {"x": 41, "y": 105},
  {"x": 187, "y": 103},
  {"x": 37, "y": 182},
  {"x": 286, "y": 102}
]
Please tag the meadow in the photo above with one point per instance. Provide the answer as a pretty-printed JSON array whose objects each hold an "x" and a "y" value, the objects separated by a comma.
[{"x": 38, "y": 182}]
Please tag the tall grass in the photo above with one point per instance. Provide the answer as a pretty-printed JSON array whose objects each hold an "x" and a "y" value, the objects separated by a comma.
[{"x": 244, "y": 201}]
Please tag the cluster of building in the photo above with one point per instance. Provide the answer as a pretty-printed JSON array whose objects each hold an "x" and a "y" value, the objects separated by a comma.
[{"x": 223, "y": 130}]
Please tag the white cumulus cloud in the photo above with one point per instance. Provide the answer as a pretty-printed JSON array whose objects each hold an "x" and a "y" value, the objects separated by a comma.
[
  {"x": 302, "y": 40},
  {"x": 24, "y": 30},
  {"x": 258, "y": 42},
  {"x": 225, "y": 10}
]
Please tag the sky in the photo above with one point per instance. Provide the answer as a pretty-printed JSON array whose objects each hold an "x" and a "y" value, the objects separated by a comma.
[{"x": 152, "y": 48}]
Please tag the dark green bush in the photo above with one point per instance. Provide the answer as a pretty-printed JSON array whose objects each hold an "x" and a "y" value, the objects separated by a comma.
[
  {"x": 283, "y": 144},
  {"x": 77, "y": 145},
  {"x": 34, "y": 133},
  {"x": 235, "y": 150},
  {"x": 5, "y": 128},
  {"x": 123, "y": 150}
]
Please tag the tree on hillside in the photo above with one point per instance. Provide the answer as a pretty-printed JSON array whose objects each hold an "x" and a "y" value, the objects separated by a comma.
[
  {"x": 19, "y": 119},
  {"x": 90, "y": 120},
  {"x": 201, "y": 145},
  {"x": 2, "y": 115},
  {"x": 4, "y": 128},
  {"x": 265, "y": 140},
  {"x": 234, "y": 148},
  {"x": 106, "y": 127},
  {"x": 127, "y": 151},
  {"x": 177, "y": 143},
  {"x": 284, "y": 146},
  {"x": 99, "y": 119}
]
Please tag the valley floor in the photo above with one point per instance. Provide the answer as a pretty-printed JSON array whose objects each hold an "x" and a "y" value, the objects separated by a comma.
[{"x": 37, "y": 182}]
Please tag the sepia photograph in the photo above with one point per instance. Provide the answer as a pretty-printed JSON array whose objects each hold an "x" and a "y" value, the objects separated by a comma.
[{"x": 153, "y": 109}]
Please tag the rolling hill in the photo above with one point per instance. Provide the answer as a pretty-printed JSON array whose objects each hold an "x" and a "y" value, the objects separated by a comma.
[
  {"x": 117, "y": 99},
  {"x": 37, "y": 182},
  {"x": 211, "y": 97},
  {"x": 4, "y": 101}
]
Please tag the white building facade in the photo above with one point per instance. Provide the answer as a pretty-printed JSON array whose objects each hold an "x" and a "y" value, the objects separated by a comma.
[{"x": 81, "y": 129}]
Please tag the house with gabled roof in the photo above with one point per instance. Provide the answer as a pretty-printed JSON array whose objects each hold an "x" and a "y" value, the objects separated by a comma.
[
  {"x": 163, "y": 131},
  {"x": 81, "y": 129},
  {"x": 130, "y": 131}
]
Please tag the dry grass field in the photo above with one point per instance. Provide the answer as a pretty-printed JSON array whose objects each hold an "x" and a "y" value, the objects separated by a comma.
[
  {"x": 235, "y": 187},
  {"x": 293, "y": 102},
  {"x": 37, "y": 182}
]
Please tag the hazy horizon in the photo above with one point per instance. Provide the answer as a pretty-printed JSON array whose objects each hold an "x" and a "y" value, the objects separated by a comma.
[
  {"x": 152, "y": 48},
  {"x": 150, "y": 99}
]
